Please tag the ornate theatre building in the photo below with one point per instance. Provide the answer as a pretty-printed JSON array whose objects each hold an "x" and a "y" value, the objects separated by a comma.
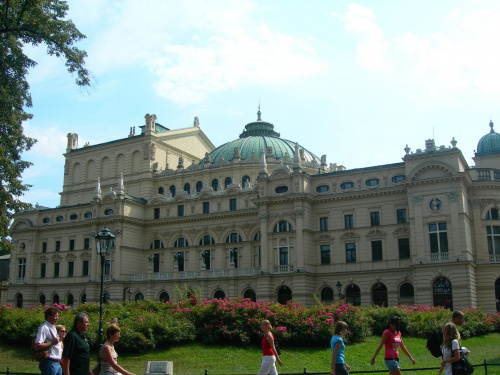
[{"x": 264, "y": 218}]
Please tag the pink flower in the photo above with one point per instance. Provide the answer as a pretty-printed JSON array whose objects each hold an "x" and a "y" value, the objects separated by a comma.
[{"x": 281, "y": 329}]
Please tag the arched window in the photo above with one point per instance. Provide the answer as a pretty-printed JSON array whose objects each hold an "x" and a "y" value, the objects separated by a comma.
[
  {"x": 164, "y": 297},
  {"x": 497, "y": 293},
  {"x": 283, "y": 226},
  {"x": 219, "y": 294},
  {"x": 181, "y": 242},
  {"x": 257, "y": 237},
  {"x": 199, "y": 186},
  {"x": 250, "y": 294},
  {"x": 156, "y": 244},
  {"x": 228, "y": 181},
  {"x": 106, "y": 298},
  {"x": 19, "y": 301},
  {"x": 244, "y": 179},
  {"x": 215, "y": 184},
  {"x": 327, "y": 295},
  {"x": 492, "y": 214},
  {"x": 406, "y": 294},
  {"x": 379, "y": 295},
  {"x": 139, "y": 297},
  {"x": 284, "y": 295},
  {"x": 172, "y": 190},
  {"x": 70, "y": 300},
  {"x": 442, "y": 293},
  {"x": 187, "y": 188},
  {"x": 83, "y": 298},
  {"x": 42, "y": 299},
  {"x": 233, "y": 238},
  {"x": 55, "y": 299},
  {"x": 207, "y": 240},
  {"x": 161, "y": 190},
  {"x": 353, "y": 295}
]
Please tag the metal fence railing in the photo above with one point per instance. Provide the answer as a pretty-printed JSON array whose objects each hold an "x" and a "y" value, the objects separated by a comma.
[{"x": 485, "y": 366}]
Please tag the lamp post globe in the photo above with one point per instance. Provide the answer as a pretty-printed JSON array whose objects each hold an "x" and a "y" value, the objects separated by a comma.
[{"x": 104, "y": 243}]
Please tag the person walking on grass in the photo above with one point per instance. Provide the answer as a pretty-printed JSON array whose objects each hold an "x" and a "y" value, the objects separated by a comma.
[
  {"x": 269, "y": 354},
  {"x": 391, "y": 340},
  {"x": 339, "y": 367},
  {"x": 450, "y": 348},
  {"x": 48, "y": 339},
  {"x": 108, "y": 355}
]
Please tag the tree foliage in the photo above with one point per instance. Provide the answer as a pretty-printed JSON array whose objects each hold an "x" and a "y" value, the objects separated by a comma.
[{"x": 27, "y": 22}]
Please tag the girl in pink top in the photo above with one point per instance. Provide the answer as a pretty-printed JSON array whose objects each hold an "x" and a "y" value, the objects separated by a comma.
[{"x": 391, "y": 339}]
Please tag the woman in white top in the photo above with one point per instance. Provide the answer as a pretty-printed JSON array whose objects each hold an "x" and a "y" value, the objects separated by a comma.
[{"x": 451, "y": 344}]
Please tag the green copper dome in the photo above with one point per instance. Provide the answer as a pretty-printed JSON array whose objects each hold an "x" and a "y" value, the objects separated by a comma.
[
  {"x": 257, "y": 136},
  {"x": 489, "y": 144}
]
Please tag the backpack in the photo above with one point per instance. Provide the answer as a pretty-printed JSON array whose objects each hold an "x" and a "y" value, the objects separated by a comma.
[{"x": 434, "y": 344}]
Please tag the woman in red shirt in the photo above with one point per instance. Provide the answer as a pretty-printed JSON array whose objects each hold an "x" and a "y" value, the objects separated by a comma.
[
  {"x": 269, "y": 354},
  {"x": 391, "y": 339}
]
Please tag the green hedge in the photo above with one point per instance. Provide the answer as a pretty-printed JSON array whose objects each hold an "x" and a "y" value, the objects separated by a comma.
[{"x": 148, "y": 324}]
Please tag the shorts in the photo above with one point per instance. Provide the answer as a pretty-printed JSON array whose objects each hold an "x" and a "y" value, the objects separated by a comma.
[
  {"x": 392, "y": 364},
  {"x": 340, "y": 369}
]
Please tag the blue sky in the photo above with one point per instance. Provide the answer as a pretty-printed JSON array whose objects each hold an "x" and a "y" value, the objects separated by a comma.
[{"x": 356, "y": 81}]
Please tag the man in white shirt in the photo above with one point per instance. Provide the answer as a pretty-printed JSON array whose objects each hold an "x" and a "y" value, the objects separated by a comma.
[{"x": 47, "y": 339}]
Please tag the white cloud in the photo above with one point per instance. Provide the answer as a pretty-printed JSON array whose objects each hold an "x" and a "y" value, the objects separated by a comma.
[
  {"x": 195, "y": 48},
  {"x": 462, "y": 56},
  {"x": 51, "y": 143},
  {"x": 371, "y": 47}
]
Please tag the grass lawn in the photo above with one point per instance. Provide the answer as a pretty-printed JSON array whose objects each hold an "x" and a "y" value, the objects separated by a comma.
[{"x": 193, "y": 359}]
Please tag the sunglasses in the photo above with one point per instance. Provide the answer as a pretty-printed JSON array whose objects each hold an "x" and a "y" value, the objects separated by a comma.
[{"x": 62, "y": 331}]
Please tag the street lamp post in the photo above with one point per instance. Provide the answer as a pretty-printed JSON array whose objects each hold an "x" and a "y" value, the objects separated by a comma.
[
  {"x": 104, "y": 242},
  {"x": 339, "y": 288}
]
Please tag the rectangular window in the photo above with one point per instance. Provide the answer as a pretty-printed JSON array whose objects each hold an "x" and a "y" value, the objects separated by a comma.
[
  {"x": 350, "y": 252},
  {"x": 43, "y": 269},
  {"x": 376, "y": 250},
  {"x": 206, "y": 258},
  {"x": 404, "y": 248},
  {"x": 71, "y": 269},
  {"x": 401, "y": 216},
  {"x": 22, "y": 268},
  {"x": 325, "y": 254},
  {"x": 348, "y": 221},
  {"x": 180, "y": 261},
  {"x": 58, "y": 245},
  {"x": 156, "y": 263},
  {"x": 85, "y": 268},
  {"x": 438, "y": 238},
  {"x": 206, "y": 207},
  {"x": 283, "y": 256},
  {"x": 374, "y": 219},
  {"x": 232, "y": 204},
  {"x": 107, "y": 267},
  {"x": 86, "y": 243},
  {"x": 56, "y": 269},
  {"x": 156, "y": 213},
  {"x": 493, "y": 237},
  {"x": 72, "y": 244},
  {"x": 44, "y": 247},
  {"x": 323, "y": 223},
  {"x": 180, "y": 210}
]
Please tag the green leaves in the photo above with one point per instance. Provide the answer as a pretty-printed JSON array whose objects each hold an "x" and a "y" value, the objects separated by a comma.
[{"x": 28, "y": 22}]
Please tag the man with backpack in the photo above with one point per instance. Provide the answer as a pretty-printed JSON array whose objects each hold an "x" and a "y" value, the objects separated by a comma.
[
  {"x": 48, "y": 339},
  {"x": 436, "y": 339}
]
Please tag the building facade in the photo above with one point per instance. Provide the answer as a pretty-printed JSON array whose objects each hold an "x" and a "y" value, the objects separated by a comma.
[{"x": 264, "y": 218}]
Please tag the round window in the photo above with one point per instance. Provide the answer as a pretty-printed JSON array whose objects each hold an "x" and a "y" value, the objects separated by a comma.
[{"x": 281, "y": 189}]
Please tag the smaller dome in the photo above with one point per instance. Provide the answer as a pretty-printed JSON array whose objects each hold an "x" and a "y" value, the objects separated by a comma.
[{"x": 489, "y": 144}]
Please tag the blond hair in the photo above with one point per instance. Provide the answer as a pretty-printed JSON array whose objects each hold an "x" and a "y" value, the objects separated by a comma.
[
  {"x": 266, "y": 323},
  {"x": 453, "y": 334}
]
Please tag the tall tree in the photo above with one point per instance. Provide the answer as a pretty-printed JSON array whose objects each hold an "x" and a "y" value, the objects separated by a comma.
[{"x": 27, "y": 22}]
